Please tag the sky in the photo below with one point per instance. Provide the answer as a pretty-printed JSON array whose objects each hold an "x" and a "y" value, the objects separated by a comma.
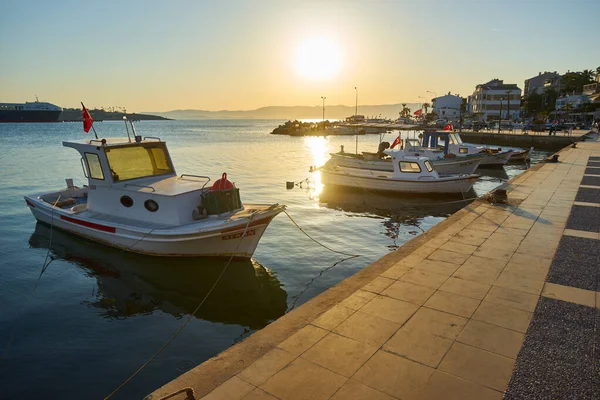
[{"x": 149, "y": 55}]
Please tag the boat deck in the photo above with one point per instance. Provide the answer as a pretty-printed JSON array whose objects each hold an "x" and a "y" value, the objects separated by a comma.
[{"x": 496, "y": 301}]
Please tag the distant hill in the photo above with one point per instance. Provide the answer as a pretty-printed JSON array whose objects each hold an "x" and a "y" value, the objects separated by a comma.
[
  {"x": 291, "y": 112},
  {"x": 74, "y": 114}
]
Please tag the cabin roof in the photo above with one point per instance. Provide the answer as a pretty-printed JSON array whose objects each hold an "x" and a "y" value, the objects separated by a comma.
[{"x": 107, "y": 142}]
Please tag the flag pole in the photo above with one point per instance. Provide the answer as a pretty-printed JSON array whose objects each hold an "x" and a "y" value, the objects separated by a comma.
[{"x": 94, "y": 129}]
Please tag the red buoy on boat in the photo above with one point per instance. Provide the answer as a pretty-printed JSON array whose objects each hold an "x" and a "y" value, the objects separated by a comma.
[{"x": 222, "y": 184}]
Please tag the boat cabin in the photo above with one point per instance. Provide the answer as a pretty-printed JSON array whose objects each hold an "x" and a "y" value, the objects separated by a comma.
[
  {"x": 411, "y": 167},
  {"x": 136, "y": 180},
  {"x": 452, "y": 143}
]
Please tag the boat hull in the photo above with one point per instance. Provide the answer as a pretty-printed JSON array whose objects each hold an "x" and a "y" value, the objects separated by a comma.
[
  {"x": 458, "y": 165},
  {"x": 29, "y": 116},
  {"x": 237, "y": 238},
  {"x": 378, "y": 181},
  {"x": 496, "y": 160}
]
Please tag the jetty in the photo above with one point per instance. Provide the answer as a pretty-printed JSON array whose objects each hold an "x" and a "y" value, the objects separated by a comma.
[
  {"x": 518, "y": 138},
  {"x": 499, "y": 300}
]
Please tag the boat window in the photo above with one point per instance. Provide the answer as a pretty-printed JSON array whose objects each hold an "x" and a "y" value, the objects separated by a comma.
[
  {"x": 140, "y": 161},
  {"x": 463, "y": 150},
  {"x": 457, "y": 139},
  {"x": 428, "y": 166},
  {"x": 94, "y": 166},
  {"x": 406, "y": 166}
]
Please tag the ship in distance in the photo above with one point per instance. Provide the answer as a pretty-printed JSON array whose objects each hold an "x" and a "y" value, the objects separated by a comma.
[{"x": 31, "y": 111}]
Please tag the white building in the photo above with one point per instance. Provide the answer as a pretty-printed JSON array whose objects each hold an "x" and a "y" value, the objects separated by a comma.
[
  {"x": 491, "y": 98},
  {"x": 575, "y": 100},
  {"x": 447, "y": 107}
]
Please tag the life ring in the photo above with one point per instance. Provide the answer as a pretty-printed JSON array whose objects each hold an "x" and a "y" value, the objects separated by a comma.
[{"x": 222, "y": 184}]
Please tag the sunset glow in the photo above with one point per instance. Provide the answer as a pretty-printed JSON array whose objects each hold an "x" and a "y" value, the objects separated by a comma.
[{"x": 318, "y": 59}]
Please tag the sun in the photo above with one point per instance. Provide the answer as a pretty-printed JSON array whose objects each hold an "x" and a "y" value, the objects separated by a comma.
[{"x": 318, "y": 59}]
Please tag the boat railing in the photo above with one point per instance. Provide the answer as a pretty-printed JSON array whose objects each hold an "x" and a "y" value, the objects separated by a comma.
[
  {"x": 83, "y": 167},
  {"x": 152, "y": 137},
  {"x": 197, "y": 176},
  {"x": 141, "y": 186},
  {"x": 102, "y": 141}
]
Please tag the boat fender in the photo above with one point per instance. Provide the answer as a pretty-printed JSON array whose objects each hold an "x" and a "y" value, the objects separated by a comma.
[{"x": 222, "y": 184}]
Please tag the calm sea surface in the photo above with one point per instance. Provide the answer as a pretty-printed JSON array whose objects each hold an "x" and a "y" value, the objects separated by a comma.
[{"x": 83, "y": 325}]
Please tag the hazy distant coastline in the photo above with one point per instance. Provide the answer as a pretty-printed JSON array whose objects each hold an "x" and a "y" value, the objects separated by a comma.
[
  {"x": 290, "y": 112},
  {"x": 72, "y": 114}
]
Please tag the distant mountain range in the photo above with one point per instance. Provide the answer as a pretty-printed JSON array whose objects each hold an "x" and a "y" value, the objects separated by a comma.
[{"x": 291, "y": 112}]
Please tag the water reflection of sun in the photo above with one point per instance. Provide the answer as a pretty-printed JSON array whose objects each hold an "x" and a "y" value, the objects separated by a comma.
[{"x": 318, "y": 147}]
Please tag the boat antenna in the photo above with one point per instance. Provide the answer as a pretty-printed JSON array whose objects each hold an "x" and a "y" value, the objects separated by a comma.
[{"x": 126, "y": 128}]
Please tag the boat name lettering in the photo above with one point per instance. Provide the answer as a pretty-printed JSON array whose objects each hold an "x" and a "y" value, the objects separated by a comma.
[{"x": 238, "y": 235}]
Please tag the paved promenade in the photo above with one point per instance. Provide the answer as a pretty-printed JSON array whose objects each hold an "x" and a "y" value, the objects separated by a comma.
[{"x": 498, "y": 300}]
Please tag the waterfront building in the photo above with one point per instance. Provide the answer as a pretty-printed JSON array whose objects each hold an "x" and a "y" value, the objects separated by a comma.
[
  {"x": 542, "y": 82},
  {"x": 495, "y": 96},
  {"x": 447, "y": 107},
  {"x": 576, "y": 100}
]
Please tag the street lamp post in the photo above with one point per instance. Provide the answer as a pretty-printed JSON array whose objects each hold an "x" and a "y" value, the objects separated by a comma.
[
  {"x": 322, "y": 97},
  {"x": 508, "y": 104},
  {"x": 356, "y": 108},
  {"x": 500, "y": 116}
]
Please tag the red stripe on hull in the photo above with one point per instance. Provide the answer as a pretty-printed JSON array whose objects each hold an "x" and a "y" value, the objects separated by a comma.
[
  {"x": 103, "y": 228},
  {"x": 30, "y": 204}
]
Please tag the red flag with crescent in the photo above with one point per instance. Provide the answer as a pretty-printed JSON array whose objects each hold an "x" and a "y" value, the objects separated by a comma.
[
  {"x": 418, "y": 112},
  {"x": 87, "y": 119}
]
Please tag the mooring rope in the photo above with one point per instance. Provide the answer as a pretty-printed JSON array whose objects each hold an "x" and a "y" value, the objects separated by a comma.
[
  {"x": 49, "y": 242},
  {"x": 316, "y": 241},
  {"x": 189, "y": 318}
]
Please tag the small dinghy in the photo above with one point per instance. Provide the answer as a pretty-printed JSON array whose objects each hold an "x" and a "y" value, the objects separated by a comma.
[
  {"x": 411, "y": 174},
  {"x": 521, "y": 156},
  {"x": 135, "y": 201}
]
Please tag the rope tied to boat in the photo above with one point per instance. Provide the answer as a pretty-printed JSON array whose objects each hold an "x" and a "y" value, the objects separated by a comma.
[
  {"x": 316, "y": 241},
  {"x": 189, "y": 318}
]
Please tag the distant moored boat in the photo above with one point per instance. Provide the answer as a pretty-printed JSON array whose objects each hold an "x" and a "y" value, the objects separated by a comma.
[{"x": 36, "y": 111}]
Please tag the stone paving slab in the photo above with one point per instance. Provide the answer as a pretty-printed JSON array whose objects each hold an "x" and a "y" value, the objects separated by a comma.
[
  {"x": 588, "y": 195},
  {"x": 497, "y": 298},
  {"x": 584, "y": 219},
  {"x": 591, "y": 180},
  {"x": 592, "y": 171}
]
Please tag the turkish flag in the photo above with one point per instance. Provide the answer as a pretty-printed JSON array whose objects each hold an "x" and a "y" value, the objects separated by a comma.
[
  {"x": 418, "y": 112},
  {"x": 449, "y": 127},
  {"x": 395, "y": 142},
  {"x": 87, "y": 119}
]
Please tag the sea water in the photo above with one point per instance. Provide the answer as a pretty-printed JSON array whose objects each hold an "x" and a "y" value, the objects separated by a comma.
[{"x": 81, "y": 325}]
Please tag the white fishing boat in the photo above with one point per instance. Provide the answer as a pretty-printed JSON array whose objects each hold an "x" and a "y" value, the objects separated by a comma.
[
  {"x": 135, "y": 201},
  {"x": 411, "y": 175},
  {"x": 453, "y": 144},
  {"x": 381, "y": 162}
]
